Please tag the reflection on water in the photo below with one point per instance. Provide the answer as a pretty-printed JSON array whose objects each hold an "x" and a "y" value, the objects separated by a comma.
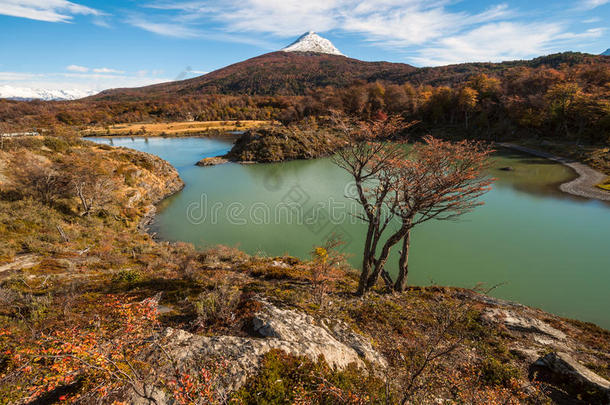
[
  {"x": 549, "y": 248},
  {"x": 531, "y": 174}
]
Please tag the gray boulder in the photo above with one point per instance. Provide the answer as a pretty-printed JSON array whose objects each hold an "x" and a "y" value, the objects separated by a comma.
[
  {"x": 291, "y": 331},
  {"x": 566, "y": 367},
  {"x": 516, "y": 322}
]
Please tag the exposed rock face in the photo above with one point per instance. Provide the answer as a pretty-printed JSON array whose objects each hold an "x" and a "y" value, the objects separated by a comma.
[
  {"x": 533, "y": 339},
  {"x": 359, "y": 343},
  {"x": 338, "y": 343},
  {"x": 519, "y": 323},
  {"x": 212, "y": 161},
  {"x": 158, "y": 181},
  {"x": 566, "y": 367},
  {"x": 293, "y": 332},
  {"x": 169, "y": 180}
]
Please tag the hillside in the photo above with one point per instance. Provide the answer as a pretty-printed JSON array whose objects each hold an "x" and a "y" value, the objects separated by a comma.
[
  {"x": 276, "y": 73},
  {"x": 293, "y": 73}
]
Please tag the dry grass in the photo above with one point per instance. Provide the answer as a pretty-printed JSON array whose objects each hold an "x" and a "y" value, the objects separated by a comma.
[{"x": 173, "y": 128}]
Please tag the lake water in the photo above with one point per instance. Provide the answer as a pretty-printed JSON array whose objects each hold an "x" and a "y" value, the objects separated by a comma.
[{"x": 547, "y": 249}]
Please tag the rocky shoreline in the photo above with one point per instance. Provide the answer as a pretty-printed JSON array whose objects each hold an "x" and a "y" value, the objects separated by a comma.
[
  {"x": 171, "y": 186},
  {"x": 585, "y": 185}
]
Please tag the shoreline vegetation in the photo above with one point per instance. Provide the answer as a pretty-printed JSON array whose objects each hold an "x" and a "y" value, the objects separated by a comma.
[{"x": 76, "y": 286}]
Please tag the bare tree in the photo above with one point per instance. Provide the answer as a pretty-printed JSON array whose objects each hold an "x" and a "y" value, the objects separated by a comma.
[
  {"x": 440, "y": 180},
  {"x": 434, "y": 180},
  {"x": 39, "y": 179},
  {"x": 369, "y": 160},
  {"x": 92, "y": 184}
]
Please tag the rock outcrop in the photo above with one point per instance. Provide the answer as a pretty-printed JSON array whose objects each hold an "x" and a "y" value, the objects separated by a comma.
[
  {"x": 516, "y": 322},
  {"x": 553, "y": 357},
  {"x": 293, "y": 332},
  {"x": 565, "y": 367},
  {"x": 212, "y": 161}
]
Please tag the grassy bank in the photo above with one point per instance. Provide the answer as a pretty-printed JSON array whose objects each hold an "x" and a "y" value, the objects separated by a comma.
[{"x": 176, "y": 128}]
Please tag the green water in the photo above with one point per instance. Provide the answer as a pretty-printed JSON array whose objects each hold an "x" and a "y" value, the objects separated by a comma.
[{"x": 547, "y": 249}]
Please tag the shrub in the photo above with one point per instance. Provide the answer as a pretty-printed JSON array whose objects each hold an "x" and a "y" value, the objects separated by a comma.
[
  {"x": 324, "y": 268},
  {"x": 127, "y": 276},
  {"x": 56, "y": 144},
  {"x": 287, "y": 379},
  {"x": 493, "y": 372},
  {"x": 38, "y": 178},
  {"x": 217, "y": 306},
  {"x": 98, "y": 359}
]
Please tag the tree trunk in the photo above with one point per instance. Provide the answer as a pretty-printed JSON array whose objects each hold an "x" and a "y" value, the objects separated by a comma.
[
  {"x": 368, "y": 254},
  {"x": 403, "y": 264},
  {"x": 83, "y": 200},
  {"x": 383, "y": 256},
  {"x": 366, "y": 262}
]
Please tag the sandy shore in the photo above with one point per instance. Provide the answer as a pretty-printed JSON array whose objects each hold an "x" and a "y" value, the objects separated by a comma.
[{"x": 584, "y": 185}]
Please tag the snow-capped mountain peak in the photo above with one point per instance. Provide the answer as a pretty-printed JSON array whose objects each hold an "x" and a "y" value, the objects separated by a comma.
[
  {"x": 27, "y": 93},
  {"x": 607, "y": 53},
  {"x": 312, "y": 42}
]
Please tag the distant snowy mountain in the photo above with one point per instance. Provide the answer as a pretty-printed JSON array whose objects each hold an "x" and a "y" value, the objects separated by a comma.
[
  {"x": 607, "y": 53},
  {"x": 26, "y": 93},
  {"x": 312, "y": 42}
]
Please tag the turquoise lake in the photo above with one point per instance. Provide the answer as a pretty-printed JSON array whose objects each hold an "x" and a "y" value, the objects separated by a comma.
[{"x": 547, "y": 249}]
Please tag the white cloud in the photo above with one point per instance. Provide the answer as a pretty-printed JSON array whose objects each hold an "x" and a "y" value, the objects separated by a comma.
[
  {"x": 14, "y": 76},
  {"x": 498, "y": 42},
  {"x": 590, "y": 4},
  {"x": 84, "y": 69},
  {"x": 407, "y": 21},
  {"x": 430, "y": 30},
  {"x": 45, "y": 10},
  {"x": 165, "y": 29},
  {"x": 77, "y": 68},
  {"x": 416, "y": 24},
  {"x": 107, "y": 70}
]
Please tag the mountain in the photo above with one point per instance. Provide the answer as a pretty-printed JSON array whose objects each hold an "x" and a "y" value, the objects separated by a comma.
[
  {"x": 607, "y": 53},
  {"x": 27, "y": 93},
  {"x": 309, "y": 62},
  {"x": 276, "y": 73},
  {"x": 313, "y": 62},
  {"x": 312, "y": 42}
]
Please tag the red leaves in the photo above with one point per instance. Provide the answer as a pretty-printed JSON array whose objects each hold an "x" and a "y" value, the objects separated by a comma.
[
  {"x": 188, "y": 389},
  {"x": 102, "y": 354}
]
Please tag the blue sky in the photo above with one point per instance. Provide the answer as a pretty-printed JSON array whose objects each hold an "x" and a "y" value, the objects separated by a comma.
[{"x": 93, "y": 45}]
